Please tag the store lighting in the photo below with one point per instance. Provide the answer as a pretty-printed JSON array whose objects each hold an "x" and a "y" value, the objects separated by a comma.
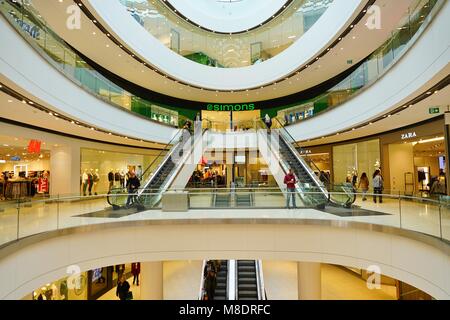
[{"x": 432, "y": 140}]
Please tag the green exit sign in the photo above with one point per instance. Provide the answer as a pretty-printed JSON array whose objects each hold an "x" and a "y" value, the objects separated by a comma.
[{"x": 434, "y": 110}]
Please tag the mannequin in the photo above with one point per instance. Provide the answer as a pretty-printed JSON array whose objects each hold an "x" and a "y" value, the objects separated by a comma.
[
  {"x": 139, "y": 172},
  {"x": 122, "y": 178},
  {"x": 85, "y": 180},
  {"x": 110, "y": 179},
  {"x": 96, "y": 179},
  {"x": 91, "y": 180},
  {"x": 117, "y": 178}
]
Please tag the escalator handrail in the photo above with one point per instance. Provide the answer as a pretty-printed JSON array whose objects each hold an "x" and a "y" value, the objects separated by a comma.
[
  {"x": 298, "y": 147},
  {"x": 202, "y": 282},
  {"x": 311, "y": 174},
  {"x": 194, "y": 142},
  {"x": 232, "y": 280},
  {"x": 260, "y": 280},
  {"x": 165, "y": 149},
  {"x": 285, "y": 168}
]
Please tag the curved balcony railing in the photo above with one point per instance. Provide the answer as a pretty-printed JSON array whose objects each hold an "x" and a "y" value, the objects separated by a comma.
[
  {"x": 23, "y": 218},
  {"x": 227, "y": 51},
  {"x": 34, "y": 29},
  {"x": 411, "y": 26}
]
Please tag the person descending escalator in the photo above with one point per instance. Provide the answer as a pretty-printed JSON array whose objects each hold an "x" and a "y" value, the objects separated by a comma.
[{"x": 210, "y": 284}]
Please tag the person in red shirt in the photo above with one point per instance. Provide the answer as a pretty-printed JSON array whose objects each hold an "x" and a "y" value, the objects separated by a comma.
[
  {"x": 135, "y": 271},
  {"x": 290, "y": 181}
]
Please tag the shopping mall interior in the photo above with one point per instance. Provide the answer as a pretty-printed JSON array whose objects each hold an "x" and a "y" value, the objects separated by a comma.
[{"x": 222, "y": 150}]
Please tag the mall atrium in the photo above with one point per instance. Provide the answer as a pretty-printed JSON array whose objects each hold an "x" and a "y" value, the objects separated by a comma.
[{"x": 224, "y": 150}]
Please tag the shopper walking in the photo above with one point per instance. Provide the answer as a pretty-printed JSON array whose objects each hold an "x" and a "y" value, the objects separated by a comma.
[
  {"x": 210, "y": 284},
  {"x": 377, "y": 186},
  {"x": 123, "y": 289},
  {"x": 364, "y": 185},
  {"x": 133, "y": 185},
  {"x": 135, "y": 271},
  {"x": 290, "y": 181}
]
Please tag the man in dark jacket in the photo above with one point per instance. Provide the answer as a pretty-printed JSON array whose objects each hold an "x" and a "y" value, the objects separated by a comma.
[
  {"x": 210, "y": 284},
  {"x": 123, "y": 287},
  {"x": 133, "y": 185}
]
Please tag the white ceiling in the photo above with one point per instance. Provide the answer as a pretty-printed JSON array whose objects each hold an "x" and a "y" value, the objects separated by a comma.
[
  {"x": 228, "y": 15},
  {"x": 357, "y": 45}
]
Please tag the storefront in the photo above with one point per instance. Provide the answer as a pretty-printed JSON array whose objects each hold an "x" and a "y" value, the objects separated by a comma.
[
  {"x": 321, "y": 156},
  {"x": 24, "y": 167},
  {"x": 230, "y": 120},
  {"x": 415, "y": 160},
  {"x": 102, "y": 170},
  {"x": 244, "y": 168},
  {"x": 350, "y": 161},
  {"x": 411, "y": 160}
]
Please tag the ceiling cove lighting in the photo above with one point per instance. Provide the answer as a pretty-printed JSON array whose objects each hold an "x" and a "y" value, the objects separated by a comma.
[
  {"x": 35, "y": 105},
  {"x": 397, "y": 111},
  {"x": 359, "y": 18}
]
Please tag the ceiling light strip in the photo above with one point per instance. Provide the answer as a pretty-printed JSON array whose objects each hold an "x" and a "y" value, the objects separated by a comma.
[
  {"x": 426, "y": 94},
  {"x": 19, "y": 97}
]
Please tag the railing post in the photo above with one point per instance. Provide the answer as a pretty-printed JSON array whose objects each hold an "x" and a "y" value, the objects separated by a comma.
[
  {"x": 57, "y": 212},
  {"x": 440, "y": 221},
  {"x": 400, "y": 209},
  {"x": 18, "y": 220}
]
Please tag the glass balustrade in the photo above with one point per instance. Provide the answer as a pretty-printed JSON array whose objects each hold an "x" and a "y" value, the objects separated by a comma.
[
  {"x": 227, "y": 50},
  {"x": 411, "y": 26},
  {"x": 30, "y": 24},
  {"x": 20, "y": 219}
]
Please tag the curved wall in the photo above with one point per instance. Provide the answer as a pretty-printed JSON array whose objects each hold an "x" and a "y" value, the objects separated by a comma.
[
  {"x": 26, "y": 71},
  {"x": 123, "y": 25},
  {"x": 423, "y": 65},
  {"x": 31, "y": 265}
]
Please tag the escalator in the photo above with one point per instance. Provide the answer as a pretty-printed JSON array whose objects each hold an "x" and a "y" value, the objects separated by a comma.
[
  {"x": 244, "y": 200},
  {"x": 314, "y": 190},
  {"x": 222, "y": 281},
  {"x": 247, "y": 280},
  {"x": 159, "y": 175},
  {"x": 221, "y": 200},
  {"x": 312, "y": 193}
]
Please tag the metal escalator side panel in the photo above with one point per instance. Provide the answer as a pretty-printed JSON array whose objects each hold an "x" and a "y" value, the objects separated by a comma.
[
  {"x": 189, "y": 161},
  {"x": 320, "y": 188}
]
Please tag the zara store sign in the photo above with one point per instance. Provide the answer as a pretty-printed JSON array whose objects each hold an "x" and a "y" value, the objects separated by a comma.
[{"x": 409, "y": 135}]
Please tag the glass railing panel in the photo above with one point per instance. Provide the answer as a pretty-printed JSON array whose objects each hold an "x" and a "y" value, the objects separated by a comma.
[
  {"x": 420, "y": 216},
  {"x": 445, "y": 220},
  {"x": 8, "y": 221},
  {"x": 37, "y": 217},
  {"x": 429, "y": 217}
]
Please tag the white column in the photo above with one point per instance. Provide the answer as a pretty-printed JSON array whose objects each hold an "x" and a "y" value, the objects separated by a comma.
[
  {"x": 151, "y": 281},
  {"x": 65, "y": 170},
  {"x": 309, "y": 281}
]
